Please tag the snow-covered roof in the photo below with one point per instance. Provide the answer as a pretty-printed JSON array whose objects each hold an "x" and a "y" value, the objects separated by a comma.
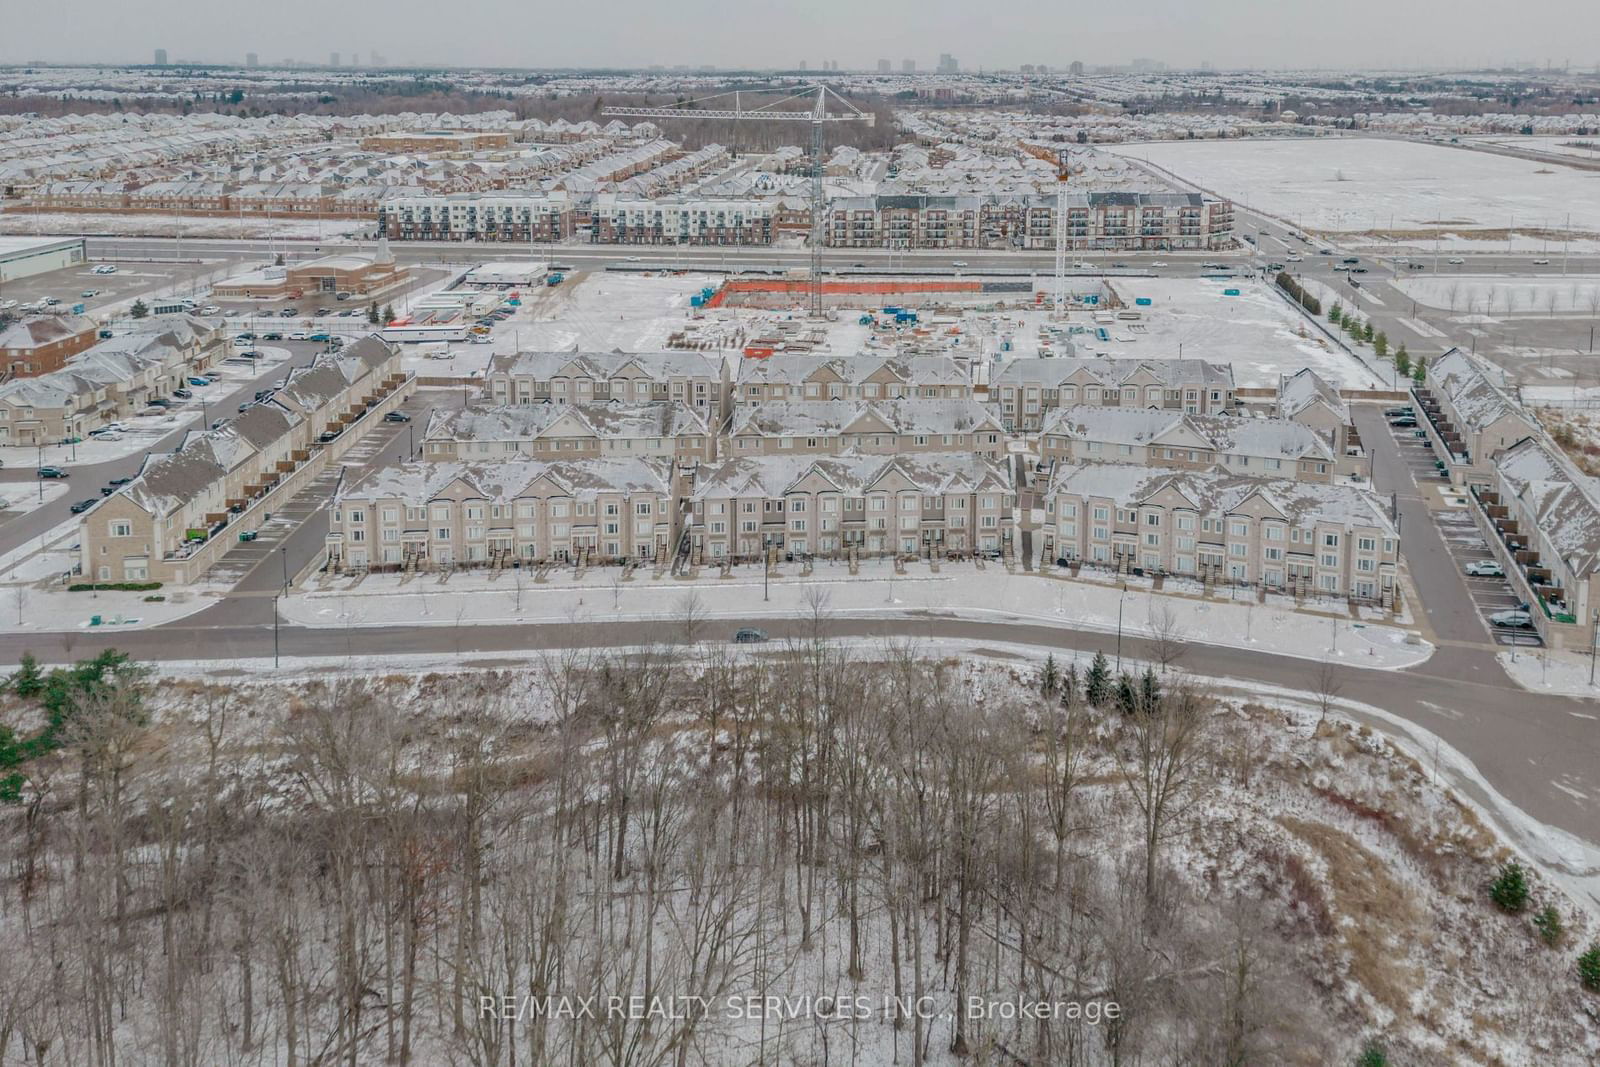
[
  {"x": 1563, "y": 503},
  {"x": 505, "y": 480},
  {"x": 787, "y": 418},
  {"x": 932, "y": 473}
]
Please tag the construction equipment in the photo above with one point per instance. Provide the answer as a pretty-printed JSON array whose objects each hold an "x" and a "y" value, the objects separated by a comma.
[
  {"x": 817, "y": 115},
  {"x": 1062, "y": 174}
]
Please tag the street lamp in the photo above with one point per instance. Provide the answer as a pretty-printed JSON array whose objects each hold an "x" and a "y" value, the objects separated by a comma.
[
  {"x": 283, "y": 554},
  {"x": 275, "y": 597},
  {"x": 1594, "y": 641},
  {"x": 1122, "y": 598},
  {"x": 766, "y": 565}
]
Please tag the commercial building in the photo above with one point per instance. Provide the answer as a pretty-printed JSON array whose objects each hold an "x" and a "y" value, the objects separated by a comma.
[
  {"x": 1293, "y": 537},
  {"x": 443, "y": 515},
  {"x": 1026, "y": 390},
  {"x": 489, "y": 216},
  {"x": 23, "y": 257},
  {"x": 687, "y": 378},
  {"x": 359, "y": 275},
  {"x": 917, "y": 504}
]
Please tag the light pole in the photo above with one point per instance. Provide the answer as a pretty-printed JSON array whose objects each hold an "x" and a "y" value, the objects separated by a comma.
[
  {"x": 283, "y": 554},
  {"x": 766, "y": 565},
  {"x": 275, "y": 630},
  {"x": 1594, "y": 641},
  {"x": 1122, "y": 596}
]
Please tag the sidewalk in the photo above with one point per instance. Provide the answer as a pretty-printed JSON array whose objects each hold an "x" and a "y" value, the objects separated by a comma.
[{"x": 972, "y": 590}]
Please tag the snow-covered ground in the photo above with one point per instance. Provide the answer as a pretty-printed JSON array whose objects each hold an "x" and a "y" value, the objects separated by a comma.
[
  {"x": 70, "y": 223},
  {"x": 957, "y": 590},
  {"x": 1546, "y": 670},
  {"x": 1579, "y": 294},
  {"x": 25, "y": 608},
  {"x": 1579, "y": 146},
  {"x": 19, "y": 498},
  {"x": 1350, "y": 184}
]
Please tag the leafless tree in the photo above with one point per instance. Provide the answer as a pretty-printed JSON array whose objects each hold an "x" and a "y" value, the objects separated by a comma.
[
  {"x": 1326, "y": 687},
  {"x": 1159, "y": 758},
  {"x": 1168, "y": 638}
]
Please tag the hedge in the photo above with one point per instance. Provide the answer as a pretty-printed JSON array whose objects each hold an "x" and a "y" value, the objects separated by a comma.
[{"x": 122, "y": 587}]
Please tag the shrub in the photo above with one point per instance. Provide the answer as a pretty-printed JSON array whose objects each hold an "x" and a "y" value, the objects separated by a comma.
[
  {"x": 1510, "y": 888},
  {"x": 1372, "y": 1055},
  {"x": 1589, "y": 968},
  {"x": 121, "y": 587},
  {"x": 1548, "y": 923},
  {"x": 156, "y": 599}
]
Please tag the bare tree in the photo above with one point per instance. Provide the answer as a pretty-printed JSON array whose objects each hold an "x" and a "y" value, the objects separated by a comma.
[
  {"x": 1159, "y": 757},
  {"x": 1326, "y": 687},
  {"x": 1168, "y": 643}
]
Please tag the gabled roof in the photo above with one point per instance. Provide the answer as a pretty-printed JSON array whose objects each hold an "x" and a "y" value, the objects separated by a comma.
[
  {"x": 1303, "y": 389},
  {"x": 1224, "y": 434},
  {"x": 658, "y": 365},
  {"x": 526, "y": 422},
  {"x": 852, "y": 473},
  {"x": 911, "y": 415},
  {"x": 505, "y": 480},
  {"x": 1478, "y": 400},
  {"x": 1564, "y": 502},
  {"x": 1051, "y": 373},
  {"x": 798, "y": 369}
]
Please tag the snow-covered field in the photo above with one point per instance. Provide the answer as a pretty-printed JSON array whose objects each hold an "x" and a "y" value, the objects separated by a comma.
[
  {"x": 19, "y": 498},
  {"x": 601, "y": 312},
  {"x": 1579, "y": 146},
  {"x": 72, "y": 222},
  {"x": 1575, "y": 294},
  {"x": 1348, "y": 184}
]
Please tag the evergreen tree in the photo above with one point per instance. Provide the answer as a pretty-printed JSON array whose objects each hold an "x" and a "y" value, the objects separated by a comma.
[
  {"x": 1069, "y": 684},
  {"x": 1335, "y": 314},
  {"x": 372, "y": 313},
  {"x": 1097, "y": 682},
  {"x": 1127, "y": 694},
  {"x": 1372, "y": 1055},
  {"x": 28, "y": 680},
  {"x": 388, "y": 313},
  {"x": 1589, "y": 968},
  {"x": 1401, "y": 353},
  {"x": 139, "y": 309},
  {"x": 1510, "y": 888},
  {"x": 1380, "y": 344},
  {"x": 1049, "y": 677},
  {"x": 1548, "y": 923},
  {"x": 1368, "y": 334},
  {"x": 1419, "y": 373}
]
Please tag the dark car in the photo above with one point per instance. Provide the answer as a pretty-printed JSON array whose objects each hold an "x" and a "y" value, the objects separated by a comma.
[
  {"x": 120, "y": 481},
  {"x": 262, "y": 394},
  {"x": 52, "y": 472},
  {"x": 1358, "y": 270},
  {"x": 1351, "y": 259},
  {"x": 328, "y": 435},
  {"x": 83, "y": 505},
  {"x": 1404, "y": 420},
  {"x": 272, "y": 337},
  {"x": 183, "y": 394},
  {"x": 247, "y": 405},
  {"x": 1395, "y": 413},
  {"x": 749, "y": 636},
  {"x": 397, "y": 416},
  {"x": 160, "y": 402}
]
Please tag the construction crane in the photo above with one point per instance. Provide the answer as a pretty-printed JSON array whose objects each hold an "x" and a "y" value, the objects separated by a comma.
[
  {"x": 1062, "y": 173},
  {"x": 817, "y": 114}
]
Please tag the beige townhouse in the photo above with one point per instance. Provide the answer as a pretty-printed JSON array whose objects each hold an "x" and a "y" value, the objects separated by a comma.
[
  {"x": 1303, "y": 538},
  {"x": 1155, "y": 437},
  {"x": 333, "y": 391},
  {"x": 443, "y": 515},
  {"x": 483, "y": 433},
  {"x": 1468, "y": 418},
  {"x": 688, "y": 378},
  {"x": 870, "y": 427},
  {"x": 927, "y": 504},
  {"x": 858, "y": 378},
  {"x": 1307, "y": 398},
  {"x": 1026, "y": 389}
]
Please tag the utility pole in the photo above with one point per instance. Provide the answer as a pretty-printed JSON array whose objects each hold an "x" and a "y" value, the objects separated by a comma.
[{"x": 1594, "y": 643}]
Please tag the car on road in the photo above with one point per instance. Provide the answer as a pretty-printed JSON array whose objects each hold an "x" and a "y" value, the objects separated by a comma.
[
  {"x": 1413, "y": 266},
  {"x": 958, "y": 263},
  {"x": 288, "y": 313},
  {"x": 52, "y": 472},
  {"x": 119, "y": 482},
  {"x": 1455, "y": 261},
  {"x": 1485, "y": 568},
  {"x": 397, "y": 416},
  {"x": 1324, "y": 251},
  {"x": 1294, "y": 257},
  {"x": 1515, "y": 620},
  {"x": 1358, "y": 270},
  {"x": 211, "y": 309},
  {"x": 1541, "y": 263},
  {"x": 1351, "y": 259},
  {"x": 749, "y": 635},
  {"x": 858, "y": 266},
  {"x": 1159, "y": 263},
  {"x": 246, "y": 406},
  {"x": 630, "y": 259},
  {"x": 1274, "y": 266},
  {"x": 1213, "y": 266},
  {"x": 1401, "y": 259},
  {"x": 88, "y": 294},
  {"x": 83, "y": 505}
]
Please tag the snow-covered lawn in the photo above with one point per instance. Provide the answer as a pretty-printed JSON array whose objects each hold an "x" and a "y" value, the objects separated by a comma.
[
  {"x": 957, "y": 590},
  {"x": 1545, "y": 670},
  {"x": 1349, "y": 184},
  {"x": 19, "y": 498},
  {"x": 19, "y": 220},
  {"x": 25, "y": 608},
  {"x": 1578, "y": 294}
]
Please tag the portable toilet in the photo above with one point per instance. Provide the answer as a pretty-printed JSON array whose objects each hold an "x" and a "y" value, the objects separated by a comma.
[{"x": 1142, "y": 301}]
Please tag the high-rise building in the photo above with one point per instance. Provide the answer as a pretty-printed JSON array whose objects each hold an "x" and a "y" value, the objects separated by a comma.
[
  {"x": 355, "y": 58},
  {"x": 883, "y": 66},
  {"x": 161, "y": 57},
  {"x": 1076, "y": 69},
  {"x": 802, "y": 64},
  {"x": 908, "y": 66},
  {"x": 948, "y": 63},
  {"x": 374, "y": 59},
  {"x": 333, "y": 59},
  {"x": 251, "y": 60}
]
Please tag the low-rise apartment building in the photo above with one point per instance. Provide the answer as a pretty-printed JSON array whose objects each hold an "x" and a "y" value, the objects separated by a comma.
[
  {"x": 858, "y": 378},
  {"x": 927, "y": 504},
  {"x": 1467, "y": 417},
  {"x": 869, "y": 427},
  {"x": 1296, "y": 537},
  {"x": 443, "y": 515},
  {"x": 1540, "y": 516},
  {"x": 688, "y": 378},
  {"x": 679, "y": 221},
  {"x": 487, "y": 216},
  {"x": 1025, "y": 390},
  {"x": 483, "y": 433},
  {"x": 1156, "y": 437}
]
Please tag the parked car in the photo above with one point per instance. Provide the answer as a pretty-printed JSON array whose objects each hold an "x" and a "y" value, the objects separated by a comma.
[
  {"x": 242, "y": 338},
  {"x": 263, "y": 394},
  {"x": 397, "y": 416},
  {"x": 83, "y": 505},
  {"x": 1404, "y": 420},
  {"x": 247, "y": 405},
  {"x": 299, "y": 335},
  {"x": 749, "y": 636},
  {"x": 1485, "y": 568},
  {"x": 197, "y": 380},
  {"x": 341, "y": 296},
  {"x": 183, "y": 394},
  {"x": 52, "y": 472},
  {"x": 1395, "y": 413},
  {"x": 160, "y": 402},
  {"x": 272, "y": 336},
  {"x": 105, "y": 268},
  {"x": 1515, "y": 620},
  {"x": 249, "y": 353},
  {"x": 119, "y": 482},
  {"x": 288, "y": 313},
  {"x": 87, "y": 293},
  {"x": 319, "y": 337}
]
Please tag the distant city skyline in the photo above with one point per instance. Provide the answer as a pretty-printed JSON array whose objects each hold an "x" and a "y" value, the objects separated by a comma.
[{"x": 1227, "y": 34}]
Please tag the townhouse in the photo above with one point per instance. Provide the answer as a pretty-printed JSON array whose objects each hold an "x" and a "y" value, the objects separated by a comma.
[
  {"x": 483, "y": 433},
  {"x": 334, "y": 391},
  {"x": 1027, "y": 389},
  {"x": 1540, "y": 516},
  {"x": 869, "y": 427},
  {"x": 1157, "y": 437},
  {"x": 1310, "y": 400},
  {"x": 858, "y": 378},
  {"x": 522, "y": 510},
  {"x": 1467, "y": 417},
  {"x": 911, "y": 504},
  {"x": 43, "y": 343},
  {"x": 687, "y": 378},
  {"x": 1303, "y": 538}
]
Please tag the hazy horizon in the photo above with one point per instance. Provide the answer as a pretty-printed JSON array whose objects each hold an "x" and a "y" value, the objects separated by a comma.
[{"x": 1228, "y": 34}]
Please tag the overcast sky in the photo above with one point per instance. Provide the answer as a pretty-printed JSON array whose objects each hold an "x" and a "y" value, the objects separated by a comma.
[{"x": 781, "y": 33}]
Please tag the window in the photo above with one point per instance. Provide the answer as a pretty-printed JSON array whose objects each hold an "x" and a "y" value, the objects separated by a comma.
[
  {"x": 121, "y": 528},
  {"x": 1239, "y": 529},
  {"x": 1329, "y": 560},
  {"x": 1330, "y": 540},
  {"x": 1152, "y": 518},
  {"x": 1366, "y": 544},
  {"x": 1272, "y": 533}
]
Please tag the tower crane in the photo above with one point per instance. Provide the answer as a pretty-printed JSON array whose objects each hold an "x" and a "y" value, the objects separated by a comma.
[
  {"x": 1062, "y": 174},
  {"x": 817, "y": 115}
]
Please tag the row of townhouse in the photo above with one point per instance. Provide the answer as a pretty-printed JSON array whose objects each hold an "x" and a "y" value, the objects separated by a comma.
[
  {"x": 1155, "y": 437},
  {"x": 867, "y": 427},
  {"x": 677, "y": 220},
  {"x": 201, "y": 196},
  {"x": 696, "y": 381},
  {"x": 1297, "y": 537},
  {"x": 604, "y": 218},
  {"x": 484, "y": 433},
  {"x": 1027, "y": 390},
  {"x": 432, "y": 515},
  {"x": 929, "y": 504},
  {"x": 111, "y": 380},
  {"x": 859, "y": 378},
  {"x": 158, "y": 527},
  {"x": 1108, "y": 220},
  {"x": 1540, "y": 516},
  {"x": 1468, "y": 418}
]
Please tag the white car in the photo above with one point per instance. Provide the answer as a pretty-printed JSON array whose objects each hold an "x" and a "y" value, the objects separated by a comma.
[
  {"x": 1541, "y": 263},
  {"x": 1516, "y": 620},
  {"x": 1455, "y": 260},
  {"x": 1293, "y": 257},
  {"x": 211, "y": 309},
  {"x": 105, "y": 268},
  {"x": 299, "y": 335},
  {"x": 1159, "y": 263},
  {"x": 631, "y": 259},
  {"x": 1485, "y": 568},
  {"x": 1401, "y": 259},
  {"x": 959, "y": 263}
]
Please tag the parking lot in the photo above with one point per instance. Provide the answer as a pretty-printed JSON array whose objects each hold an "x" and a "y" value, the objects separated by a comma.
[{"x": 130, "y": 280}]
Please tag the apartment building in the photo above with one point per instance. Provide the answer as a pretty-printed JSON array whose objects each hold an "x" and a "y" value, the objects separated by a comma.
[
  {"x": 1299, "y": 537},
  {"x": 490, "y": 216},
  {"x": 679, "y": 221},
  {"x": 482, "y": 433},
  {"x": 858, "y": 378},
  {"x": 1468, "y": 417},
  {"x": 1540, "y": 517},
  {"x": 43, "y": 343},
  {"x": 1157, "y": 437},
  {"x": 687, "y": 378},
  {"x": 443, "y": 515},
  {"x": 1027, "y": 389},
  {"x": 928, "y": 504},
  {"x": 868, "y": 427}
]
